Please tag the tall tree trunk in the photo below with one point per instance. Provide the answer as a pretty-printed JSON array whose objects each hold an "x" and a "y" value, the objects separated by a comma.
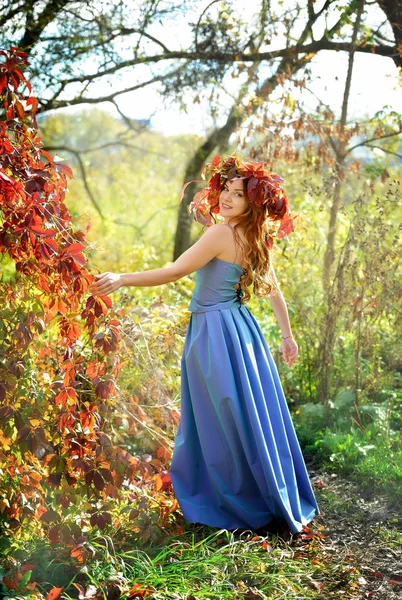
[
  {"x": 328, "y": 328},
  {"x": 220, "y": 137}
]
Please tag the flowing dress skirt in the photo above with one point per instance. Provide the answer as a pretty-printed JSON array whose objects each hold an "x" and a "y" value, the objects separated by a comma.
[{"x": 237, "y": 462}]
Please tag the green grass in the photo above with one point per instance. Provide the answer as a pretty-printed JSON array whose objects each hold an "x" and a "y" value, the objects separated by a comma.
[
  {"x": 368, "y": 458},
  {"x": 199, "y": 565},
  {"x": 391, "y": 537},
  {"x": 204, "y": 563}
]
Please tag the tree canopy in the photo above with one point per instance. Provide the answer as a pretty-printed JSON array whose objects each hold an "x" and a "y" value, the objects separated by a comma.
[{"x": 79, "y": 47}]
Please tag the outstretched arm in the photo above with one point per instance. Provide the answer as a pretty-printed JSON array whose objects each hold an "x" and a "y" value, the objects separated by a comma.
[{"x": 205, "y": 249}]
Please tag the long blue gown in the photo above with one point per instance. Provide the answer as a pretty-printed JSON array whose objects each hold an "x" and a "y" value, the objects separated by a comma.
[{"x": 237, "y": 462}]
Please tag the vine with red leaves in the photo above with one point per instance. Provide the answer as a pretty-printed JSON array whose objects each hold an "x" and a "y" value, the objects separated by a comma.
[{"x": 59, "y": 347}]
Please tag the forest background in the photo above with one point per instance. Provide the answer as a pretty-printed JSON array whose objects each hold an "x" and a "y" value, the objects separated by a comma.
[{"x": 249, "y": 75}]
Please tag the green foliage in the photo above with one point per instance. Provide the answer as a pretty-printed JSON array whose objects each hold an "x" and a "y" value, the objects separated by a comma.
[
  {"x": 369, "y": 458},
  {"x": 137, "y": 176},
  {"x": 362, "y": 437},
  {"x": 192, "y": 564}
]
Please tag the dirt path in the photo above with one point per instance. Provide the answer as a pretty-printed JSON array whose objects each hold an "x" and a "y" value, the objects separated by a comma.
[{"x": 361, "y": 530}]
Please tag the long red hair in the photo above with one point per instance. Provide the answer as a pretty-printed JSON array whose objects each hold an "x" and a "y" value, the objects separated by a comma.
[
  {"x": 257, "y": 226},
  {"x": 267, "y": 206}
]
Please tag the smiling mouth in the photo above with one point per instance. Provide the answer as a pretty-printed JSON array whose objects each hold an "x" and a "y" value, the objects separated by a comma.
[{"x": 226, "y": 206}]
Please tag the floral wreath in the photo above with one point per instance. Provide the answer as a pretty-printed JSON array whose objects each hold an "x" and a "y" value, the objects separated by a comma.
[{"x": 263, "y": 188}]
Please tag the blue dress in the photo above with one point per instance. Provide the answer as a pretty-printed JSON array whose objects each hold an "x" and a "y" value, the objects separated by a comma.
[{"x": 237, "y": 462}]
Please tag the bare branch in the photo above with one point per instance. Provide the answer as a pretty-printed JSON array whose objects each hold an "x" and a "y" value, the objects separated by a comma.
[
  {"x": 381, "y": 137},
  {"x": 14, "y": 11},
  {"x": 199, "y": 21},
  {"x": 83, "y": 173},
  {"x": 384, "y": 150},
  {"x": 129, "y": 122},
  {"x": 352, "y": 50},
  {"x": 53, "y": 104},
  {"x": 228, "y": 57},
  {"x": 127, "y": 31},
  {"x": 35, "y": 28},
  {"x": 125, "y": 145}
]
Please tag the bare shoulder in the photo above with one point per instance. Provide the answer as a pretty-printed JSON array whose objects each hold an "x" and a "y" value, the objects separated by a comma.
[
  {"x": 219, "y": 231},
  {"x": 210, "y": 245},
  {"x": 220, "y": 235}
]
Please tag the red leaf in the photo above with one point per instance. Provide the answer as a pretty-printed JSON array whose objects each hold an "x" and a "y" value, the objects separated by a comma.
[
  {"x": 10, "y": 113},
  {"x": 44, "y": 232},
  {"x": 3, "y": 82},
  {"x": 319, "y": 484},
  {"x": 65, "y": 170},
  {"x": 32, "y": 101},
  {"x": 51, "y": 245},
  {"x": 138, "y": 591},
  {"x": 286, "y": 226},
  {"x": 176, "y": 417},
  {"x": 106, "y": 474},
  {"x": 47, "y": 155},
  {"x": 80, "y": 259},
  {"x": 54, "y": 534},
  {"x": 158, "y": 482},
  {"x": 23, "y": 433},
  {"x": 74, "y": 249},
  {"x": 20, "y": 110},
  {"x": 27, "y": 567},
  {"x": 54, "y": 593},
  {"x": 42, "y": 284},
  {"x": 80, "y": 553},
  {"x": 50, "y": 516},
  {"x": 89, "y": 477},
  {"x": 99, "y": 482},
  {"x": 107, "y": 301},
  {"x": 18, "y": 74},
  {"x": 6, "y": 412}
]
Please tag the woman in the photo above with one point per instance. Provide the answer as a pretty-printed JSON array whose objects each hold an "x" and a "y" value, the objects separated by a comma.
[{"x": 237, "y": 462}]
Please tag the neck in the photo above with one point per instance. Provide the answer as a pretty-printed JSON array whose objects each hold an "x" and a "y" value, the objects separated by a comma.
[{"x": 228, "y": 221}]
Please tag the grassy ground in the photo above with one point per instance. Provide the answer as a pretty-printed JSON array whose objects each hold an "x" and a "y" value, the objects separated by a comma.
[{"x": 353, "y": 550}]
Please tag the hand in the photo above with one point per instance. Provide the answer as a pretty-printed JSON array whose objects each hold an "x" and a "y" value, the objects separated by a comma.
[
  {"x": 106, "y": 284},
  {"x": 290, "y": 351}
]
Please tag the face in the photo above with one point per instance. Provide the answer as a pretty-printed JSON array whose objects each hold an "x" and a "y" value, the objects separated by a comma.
[{"x": 233, "y": 200}]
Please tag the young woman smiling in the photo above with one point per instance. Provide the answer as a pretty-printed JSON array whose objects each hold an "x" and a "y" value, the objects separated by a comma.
[{"x": 237, "y": 462}]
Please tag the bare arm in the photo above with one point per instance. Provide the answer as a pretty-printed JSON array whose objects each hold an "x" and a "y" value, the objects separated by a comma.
[
  {"x": 280, "y": 309},
  {"x": 289, "y": 346},
  {"x": 199, "y": 254},
  {"x": 211, "y": 243}
]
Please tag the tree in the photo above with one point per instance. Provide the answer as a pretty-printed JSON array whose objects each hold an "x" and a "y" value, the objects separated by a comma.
[
  {"x": 330, "y": 144},
  {"x": 287, "y": 68},
  {"x": 95, "y": 41},
  {"x": 99, "y": 42}
]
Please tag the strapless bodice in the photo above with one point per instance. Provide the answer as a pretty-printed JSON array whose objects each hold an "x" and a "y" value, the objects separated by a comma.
[{"x": 215, "y": 286}]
